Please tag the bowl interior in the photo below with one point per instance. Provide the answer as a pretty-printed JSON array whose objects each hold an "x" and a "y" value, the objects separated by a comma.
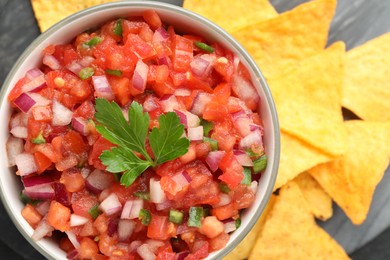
[{"x": 183, "y": 21}]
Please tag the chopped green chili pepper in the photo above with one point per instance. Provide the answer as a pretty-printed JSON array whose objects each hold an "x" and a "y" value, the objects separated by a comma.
[
  {"x": 117, "y": 73},
  {"x": 204, "y": 46},
  {"x": 213, "y": 143},
  {"x": 223, "y": 187},
  {"x": 145, "y": 217},
  {"x": 39, "y": 139},
  {"x": 176, "y": 216},
  {"x": 207, "y": 127},
  {"x": 247, "y": 176},
  {"x": 142, "y": 195},
  {"x": 118, "y": 30},
  {"x": 93, "y": 42},
  {"x": 86, "y": 73},
  {"x": 195, "y": 218},
  {"x": 94, "y": 211},
  {"x": 259, "y": 164},
  {"x": 238, "y": 223}
]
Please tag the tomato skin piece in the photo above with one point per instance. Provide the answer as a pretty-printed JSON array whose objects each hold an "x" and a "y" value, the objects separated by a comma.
[
  {"x": 152, "y": 18},
  {"x": 42, "y": 162},
  {"x": 160, "y": 228}
]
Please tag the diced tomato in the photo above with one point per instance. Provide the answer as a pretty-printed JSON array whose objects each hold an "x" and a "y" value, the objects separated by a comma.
[
  {"x": 142, "y": 49},
  {"x": 232, "y": 170},
  {"x": 99, "y": 146},
  {"x": 152, "y": 18},
  {"x": 35, "y": 128},
  {"x": 190, "y": 155},
  {"x": 65, "y": 244},
  {"x": 42, "y": 113},
  {"x": 202, "y": 150},
  {"x": 49, "y": 151},
  {"x": 224, "y": 212},
  {"x": 121, "y": 88},
  {"x": 168, "y": 168},
  {"x": 74, "y": 143},
  {"x": 59, "y": 216},
  {"x": 70, "y": 55},
  {"x": 57, "y": 144},
  {"x": 160, "y": 228},
  {"x": 182, "y": 53},
  {"x": 83, "y": 204},
  {"x": 73, "y": 180},
  {"x": 86, "y": 110},
  {"x": 211, "y": 227},
  {"x": 192, "y": 82},
  {"x": 42, "y": 161},
  {"x": 101, "y": 224},
  {"x": 219, "y": 242},
  {"x": 88, "y": 230},
  {"x": 16, "y": 91},
  {"x": 199, "y": 250},
  {"x": 243, "y": 197},
  {"x": 223, "y": 132},
  {"x": 131, "y": 27},
  {"x": 31, "y": 215},
  {"x": 88, "y": 248}
]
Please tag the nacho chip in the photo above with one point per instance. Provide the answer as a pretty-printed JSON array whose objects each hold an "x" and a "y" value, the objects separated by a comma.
[
  {"x": 226, "y": 13},
  {"x": 49, "y": 12},
  {"x": 290, "y": 37},
  {"x": 366, "y": 89},
  {"x": 319, "y": 202},
  {"x": 243, "y": 249},
  {"x": 308, "y": 100},
  {"x": 296, "y": 156},
  {"x": 351, "y": 179},
  {"x": 290, "y": 231}
]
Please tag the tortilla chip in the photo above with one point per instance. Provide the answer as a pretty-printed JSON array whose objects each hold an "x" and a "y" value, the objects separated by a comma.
[
  {"x": 224, "y": 13},
  {"x": 290, "y": 231},
  {"x": 366, "y": 89},
  {"x": 296, "y": 156},
  {"x": 243, "y": 249},
  {"x": 308, "y": 100},
  {"x": 290, "y": 37},
  {"x": 351, "y": 180},
  {"x": 319, "y": 202},
  {"x": 49, "y": 12}
]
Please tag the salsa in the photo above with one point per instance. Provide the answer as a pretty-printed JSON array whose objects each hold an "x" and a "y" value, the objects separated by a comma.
[{"x": 78, "y": 180}]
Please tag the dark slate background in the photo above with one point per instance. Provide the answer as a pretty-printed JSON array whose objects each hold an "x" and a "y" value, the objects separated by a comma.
[{"x": 356, "y": 21}]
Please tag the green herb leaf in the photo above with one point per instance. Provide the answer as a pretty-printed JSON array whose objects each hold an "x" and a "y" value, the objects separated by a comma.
[
  {"x": 117, "y": 73},
  {"x": 167, "y": 142},
  {"x": 204, "y": 46},
  {"x": 86, "y": 73},
  {"x": 145, "y": 217},
  {"x": 118, "y": 30},
  {"x": 93, "y": 42}
]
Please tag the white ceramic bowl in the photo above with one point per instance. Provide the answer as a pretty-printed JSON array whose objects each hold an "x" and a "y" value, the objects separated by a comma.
[{"x": 184, "y": 21}]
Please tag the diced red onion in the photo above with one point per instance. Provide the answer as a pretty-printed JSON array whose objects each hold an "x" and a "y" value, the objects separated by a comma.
[
  {"x": 201, "y": 65},
  {"x": 168, "y": 103},
  {"x": 19, "y": 131},
  {"x": 253, "y": 186},
  {"x": 254, "y": 127},
  {"x": 125, "y": 229},
  {"x": 224, "y": 199},
  {"x": 110, "y": 205},
  {"x": 150, "y": 104},
  {"x": 66, "y": 163},
  {"x": 76, "y": 220},
  {"x": 35, "y": 84},
  {"x": 154, "y": 245},
  {"x": 213, "y": 159},
  {"x": 163, "y": 205},
  {"x": 74, "y": 67},
  {"x": 74, "y": 254},
  {"x": 140, "y": 76},
  {"x": 73, "y": 239},
  {"x": 102, "y": 87},
  {"x": 43, "y": 207},
  {"x": 61, "y": 115},
  {"x": 182, "y": 255},
  {"x": 182, "y": 92},
  {"x": 195, "y": 133},
  {"x": 244, "y": 90},
  {"x": 182, "y": 179},
  {"x": 30, "y": 181},
  {"x": 86, "y": 61},
  {"x": 182, "y": 116},
  {"x": 51, "y": 62},
  {"x": 85, "y": 172},
  {"x": 254, "y": 138},
  {"x": 24, "y": 102},
  {"x": 187, "y": 118},
  {"x": 104, "y": 194},
  {"x": 80, "y": 125},
  {"x": 98, "y": 181},
  {"x": 242, "y": 122},
  {"x": 134, "y": 245},
  {"x": 243, "y": 158},
  {"x": 230, "y": 226},
  {"x": 61, "y": 194},
  {"x": 145, "y": 252},
  {"x": 236, "y": 62},
  {"x": 39, "y": 100},
  {"x": 131, "y": 209},
  {"x": 43, "y": 229},
  {"x": 200, "y": 102},
  {"x": 14, "y": 147},
  {"x": 157, "y": 195},
  {"x": 40, "y": 192},
  {"x": 25, "y": 163},
  {"x": 112, "y": 226},
  {"x": 164, "y": 61},
  {"x": 20, "y": 119},
  {"x": 160, "y": 35},
  {"x": 34, "y": 73}
]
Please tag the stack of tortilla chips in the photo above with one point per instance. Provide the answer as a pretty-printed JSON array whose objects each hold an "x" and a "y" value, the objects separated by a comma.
[{"x": 323, "y": 157}]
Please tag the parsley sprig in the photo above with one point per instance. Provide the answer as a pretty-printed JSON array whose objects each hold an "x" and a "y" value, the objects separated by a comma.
[{"x": 130, "y": 137}]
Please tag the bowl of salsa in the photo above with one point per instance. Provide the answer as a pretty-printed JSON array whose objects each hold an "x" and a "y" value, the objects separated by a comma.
[{"x": 136, "y": 130}]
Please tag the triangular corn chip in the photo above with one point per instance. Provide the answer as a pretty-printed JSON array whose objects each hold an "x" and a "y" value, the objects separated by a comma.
[
  {"x": 290, "y": 37},
  {"x": 351, "y": 180},
  {"x": 290, "y": 231},
  {"x": 308, "y": 100},
  {"x": 319, "y": 202},
  {"x": 225, "y": 12},
  {"x": 366, "y": 89}
]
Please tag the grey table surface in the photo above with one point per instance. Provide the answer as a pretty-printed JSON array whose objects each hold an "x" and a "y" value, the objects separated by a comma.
[{"x": 356, "y": 22}]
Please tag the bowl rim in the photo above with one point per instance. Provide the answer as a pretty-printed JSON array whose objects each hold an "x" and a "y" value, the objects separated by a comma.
[{"x": 227, "y": 37}]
